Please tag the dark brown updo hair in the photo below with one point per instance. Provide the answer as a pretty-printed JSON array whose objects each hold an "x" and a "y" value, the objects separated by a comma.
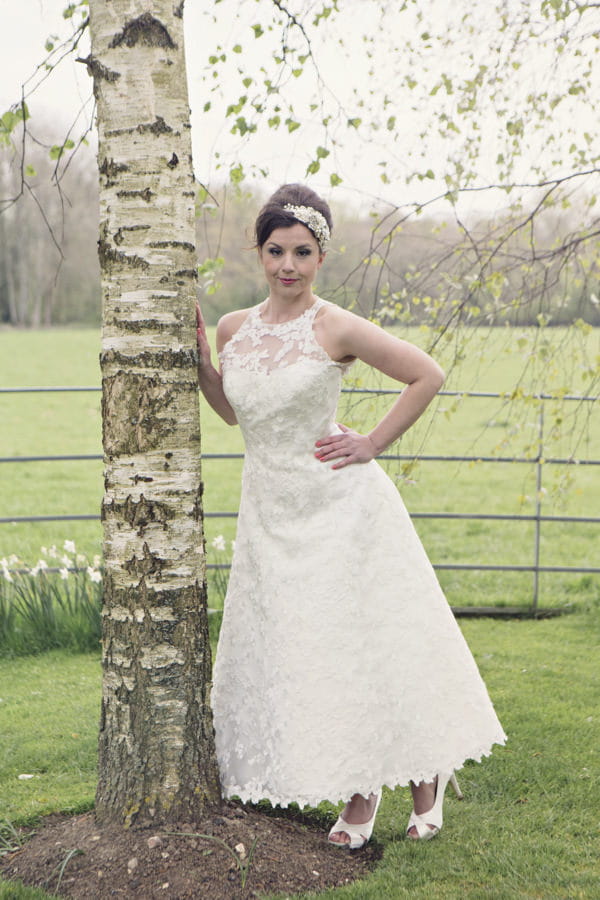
[{"x": 273, "y": 215}]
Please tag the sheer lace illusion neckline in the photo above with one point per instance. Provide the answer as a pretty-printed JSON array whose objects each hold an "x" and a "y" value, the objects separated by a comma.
[{"x": 310, "y": 309}]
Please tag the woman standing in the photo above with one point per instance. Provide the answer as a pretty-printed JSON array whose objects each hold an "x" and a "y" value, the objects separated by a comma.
[{"x": 340, "y": 667}]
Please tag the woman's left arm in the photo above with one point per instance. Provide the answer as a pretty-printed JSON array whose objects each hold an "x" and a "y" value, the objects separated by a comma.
[{"x": 345, "y": 335}]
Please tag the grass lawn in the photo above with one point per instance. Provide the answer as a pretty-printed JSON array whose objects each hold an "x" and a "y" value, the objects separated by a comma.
[
  {"x": 495, "y": 360},
  {"x": 527, "y": 828}
]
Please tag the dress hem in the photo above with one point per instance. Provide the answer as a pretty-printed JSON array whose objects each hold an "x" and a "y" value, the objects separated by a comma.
[{"x": 343, "y": 796}]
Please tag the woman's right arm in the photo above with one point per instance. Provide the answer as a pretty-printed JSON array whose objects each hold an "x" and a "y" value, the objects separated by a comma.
[{"x": 209, "y": 378}]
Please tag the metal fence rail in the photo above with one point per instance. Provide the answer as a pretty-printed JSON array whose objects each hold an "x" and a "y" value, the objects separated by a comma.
[{"x": 539, "y": 461}]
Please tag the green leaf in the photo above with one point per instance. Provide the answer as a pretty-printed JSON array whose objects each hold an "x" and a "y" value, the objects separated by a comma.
[
  {"x": 334, "y": 180},
  {"x": 313, "y": 167},
  {"x": 391, "y": 123},
  {"x": 236, "y": 174},
  {"x": 322, "y": 152},
  {"x": 292, "y": 125},
  {"x": 58, "y": 149},
  {"x": 258, "y": 31},
  {"x": 30, "y": 171},
  {"x": 236, "y": 107},
  {"x": 242, "y": 126},
  {"x": 354, "y": 123},
  {"x": 237, "y": 48},
  {"x": 48, "y": 46}
]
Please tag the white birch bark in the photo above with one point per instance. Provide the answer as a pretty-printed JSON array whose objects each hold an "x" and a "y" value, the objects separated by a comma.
[{"x": 157, "y": 759}]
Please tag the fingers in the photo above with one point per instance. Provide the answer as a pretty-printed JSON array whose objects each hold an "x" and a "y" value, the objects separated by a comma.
[
  {"x": 329, "y": 447},
  {"x": 337, "y": 450},
  {"x": 200, "y": 326},
  {"x": 346, "y": 449}
]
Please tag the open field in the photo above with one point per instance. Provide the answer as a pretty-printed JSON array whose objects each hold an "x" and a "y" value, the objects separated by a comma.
[
  {"x": 38, "y": 424},
  {"x": 527, "y": 828}
]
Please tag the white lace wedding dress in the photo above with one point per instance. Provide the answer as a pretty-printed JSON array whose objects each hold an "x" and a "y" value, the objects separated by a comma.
[{"x": 340, "y": 667}]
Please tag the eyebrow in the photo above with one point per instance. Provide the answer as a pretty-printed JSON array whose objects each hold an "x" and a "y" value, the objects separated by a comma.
[{"x": 296, "y": 247}]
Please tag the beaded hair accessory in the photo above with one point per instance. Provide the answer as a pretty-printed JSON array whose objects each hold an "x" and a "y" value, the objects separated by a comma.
[{"x": 314, "y": 220}]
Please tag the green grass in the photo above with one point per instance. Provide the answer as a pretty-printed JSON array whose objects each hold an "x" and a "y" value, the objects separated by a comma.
[
  {"x": 527, "y": 828},
  {"x": 17, "y": 891},
  {"x": 49, "y": 713},
  {"x": 494, "y": 361}
]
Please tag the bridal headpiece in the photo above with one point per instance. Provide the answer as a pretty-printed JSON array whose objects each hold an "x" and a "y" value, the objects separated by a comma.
[{"x": 314, "y": 220}]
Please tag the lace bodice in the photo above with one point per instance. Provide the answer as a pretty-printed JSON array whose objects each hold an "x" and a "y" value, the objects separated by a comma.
[
  {"x": 260, "y": 346},
  {"x": 280, "y": 381}
]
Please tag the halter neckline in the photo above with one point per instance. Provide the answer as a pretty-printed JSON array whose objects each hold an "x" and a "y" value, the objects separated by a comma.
[{"x": 312, "y": 309}]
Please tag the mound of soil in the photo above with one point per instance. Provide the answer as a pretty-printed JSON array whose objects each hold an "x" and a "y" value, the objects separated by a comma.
[{"x": 74, "y": 857}]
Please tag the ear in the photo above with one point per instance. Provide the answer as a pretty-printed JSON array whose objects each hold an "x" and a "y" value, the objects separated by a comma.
[{"x": 321, "y": 258}]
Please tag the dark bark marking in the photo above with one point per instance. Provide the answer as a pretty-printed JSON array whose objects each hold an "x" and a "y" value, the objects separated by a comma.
[
  {"x": 132, "y": 327},
  {"x": 146, "y": 194},
  {"x": 197, "y": 508},
  {"x": 145, "y": 30},
  {"x": 140, "y": 513},
  {"x": 178, "y": 10},
  {"x": 134, "y": 413},
  {"x": 174, "y": 161},
  {"x": 148, "y": 564},
  {"x": 187, "y": 273},
  {"x": 148, "y": 359},
  {"x": 108, "y": 255},
  {"x": 97, "y": 70},
  {"x": 110, "y": 169},
  {"x": 137, "y": 478},
  {"x": 159, "y": 126},
  {"x": 183, "y": 245}
]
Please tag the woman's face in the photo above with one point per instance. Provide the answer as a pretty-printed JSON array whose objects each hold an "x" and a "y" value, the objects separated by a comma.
[{"x": 291, "y": 258}]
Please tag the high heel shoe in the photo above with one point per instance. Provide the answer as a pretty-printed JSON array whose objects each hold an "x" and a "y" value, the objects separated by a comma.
[
  {"x": 359, "y": 834},
  {"x": 429, "y": 823}
]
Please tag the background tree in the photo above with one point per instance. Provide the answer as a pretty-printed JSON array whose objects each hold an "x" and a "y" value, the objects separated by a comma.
[
  {"x": 49, "y": 273},
  {"x": 157, "y": 759}
]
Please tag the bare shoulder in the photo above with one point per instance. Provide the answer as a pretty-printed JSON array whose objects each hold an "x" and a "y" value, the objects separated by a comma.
[
  {"x": 229, "y": 324},
  {"x": 338, "y": 318},
  {"x": 341, "y": 331}
]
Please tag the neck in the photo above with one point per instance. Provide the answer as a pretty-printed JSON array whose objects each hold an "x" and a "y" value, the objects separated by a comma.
[{"x": 279, "y": 308}]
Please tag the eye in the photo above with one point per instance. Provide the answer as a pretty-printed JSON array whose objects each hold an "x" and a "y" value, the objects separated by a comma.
[
  {"x": 305, "y": 251},
  {"x": 274, "y": 251}
]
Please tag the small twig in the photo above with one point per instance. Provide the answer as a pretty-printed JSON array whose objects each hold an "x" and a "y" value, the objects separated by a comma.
[
  {"x": 61, "y": 868},
  {"x": 243, "y": 865}
]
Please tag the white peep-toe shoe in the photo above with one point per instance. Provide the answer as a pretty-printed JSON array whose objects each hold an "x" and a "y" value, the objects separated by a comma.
[
  {"x": 359, "y": 834},
  {"x": 429, "y": 823}
]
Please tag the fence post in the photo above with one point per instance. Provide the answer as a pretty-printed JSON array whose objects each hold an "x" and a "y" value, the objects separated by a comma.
[{"x": 538, "y": 509}]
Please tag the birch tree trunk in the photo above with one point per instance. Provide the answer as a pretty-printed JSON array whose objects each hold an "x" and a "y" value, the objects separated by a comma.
[{"x": 157, "y": 759}]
